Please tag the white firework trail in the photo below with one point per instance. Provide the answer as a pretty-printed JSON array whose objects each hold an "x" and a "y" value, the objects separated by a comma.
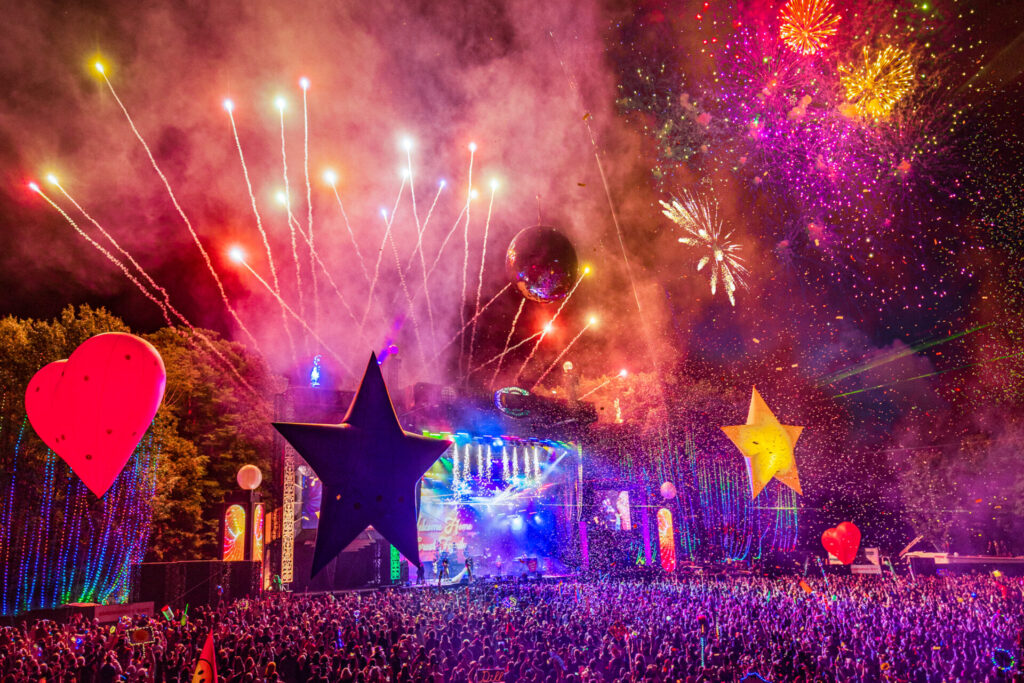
[{"x": 702, "y": 229}]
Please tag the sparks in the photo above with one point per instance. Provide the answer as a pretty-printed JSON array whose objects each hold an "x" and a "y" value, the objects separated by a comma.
[
  {"x": 699, "y": 219},
  {"x": 878, "y": 82},
  {"x": 806, "y": 25}
]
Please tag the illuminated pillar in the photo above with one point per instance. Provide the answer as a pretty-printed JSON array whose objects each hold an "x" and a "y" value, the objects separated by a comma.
[
  {"x": 243, "y": 527},
  {"x": 666, "y": 540},
  {"x": 233, "y": 537},
  {"x": 645, "y": 525}
]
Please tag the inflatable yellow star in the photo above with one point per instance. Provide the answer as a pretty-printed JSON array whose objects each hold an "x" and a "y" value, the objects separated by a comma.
[{"x": 767, "y": 446}]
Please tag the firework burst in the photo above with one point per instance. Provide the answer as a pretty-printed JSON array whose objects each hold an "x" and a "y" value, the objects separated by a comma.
[
  {"x": 806, "y": 25},
  {"x": 876, "y": 83},
  {"x": 699, "y": 220}
]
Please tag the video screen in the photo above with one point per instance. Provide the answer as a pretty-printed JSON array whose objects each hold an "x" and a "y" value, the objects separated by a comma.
[
  {"x": 312, "y": 489},
  {"x": 503, "y": 505},
  {"x": 613, "y": 510}
]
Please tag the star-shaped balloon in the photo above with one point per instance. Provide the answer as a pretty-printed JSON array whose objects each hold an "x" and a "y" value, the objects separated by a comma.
[
  {"x": 767, "y": 445},
  {"x": 369, "y": 467}
]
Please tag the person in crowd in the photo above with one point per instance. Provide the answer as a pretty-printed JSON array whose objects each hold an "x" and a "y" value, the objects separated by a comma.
[{"x": 695, "y": 630}]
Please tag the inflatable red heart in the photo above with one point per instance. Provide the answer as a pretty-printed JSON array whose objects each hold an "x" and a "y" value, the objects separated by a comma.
[
  {"x": 842, "y": 541},
  {"x": 93, "y": 408}
]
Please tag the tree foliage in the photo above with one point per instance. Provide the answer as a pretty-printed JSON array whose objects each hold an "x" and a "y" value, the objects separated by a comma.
[{"x": 208, "y": 426}]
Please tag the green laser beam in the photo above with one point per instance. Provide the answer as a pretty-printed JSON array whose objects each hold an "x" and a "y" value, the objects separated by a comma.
[
  {"x": 930, "y": 374},
  {"x": 877, "y": 362}
]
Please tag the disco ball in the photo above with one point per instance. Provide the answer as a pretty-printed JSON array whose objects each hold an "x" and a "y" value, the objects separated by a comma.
[
  {"x": 668, "y": 490},
  {"x": 542, "y": 264}
]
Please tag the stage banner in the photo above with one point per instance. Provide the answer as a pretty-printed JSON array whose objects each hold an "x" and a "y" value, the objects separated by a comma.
[{"x": 867, "y": 562}]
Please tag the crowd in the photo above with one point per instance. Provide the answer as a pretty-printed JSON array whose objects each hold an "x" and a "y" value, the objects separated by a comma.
[{"x": 927, "y": 630}]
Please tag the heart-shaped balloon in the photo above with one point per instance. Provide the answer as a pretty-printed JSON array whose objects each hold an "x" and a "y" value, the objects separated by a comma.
[
  {"x": 842, "y": 541},
  {"x": 93, "y": 408}
]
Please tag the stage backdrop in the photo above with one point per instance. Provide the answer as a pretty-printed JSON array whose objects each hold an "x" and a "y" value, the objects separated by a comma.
[
  {"x": 712, "y": 514},
  {"x": 500, "y": 500}
]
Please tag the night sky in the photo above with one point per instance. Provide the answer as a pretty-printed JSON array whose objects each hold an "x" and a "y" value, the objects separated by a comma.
[{"x": 871, "y": 242}]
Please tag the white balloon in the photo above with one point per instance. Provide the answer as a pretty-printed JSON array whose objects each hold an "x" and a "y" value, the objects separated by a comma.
[{"x": 250, "y": 477}]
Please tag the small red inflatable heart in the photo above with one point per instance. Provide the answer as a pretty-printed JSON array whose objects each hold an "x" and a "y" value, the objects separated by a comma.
[
  {"x": 842, "y": 541},
  {"x": 93, "y": 408}
]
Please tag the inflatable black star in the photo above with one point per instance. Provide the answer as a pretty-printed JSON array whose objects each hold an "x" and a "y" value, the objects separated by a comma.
[{"x": 369, "y": 467}]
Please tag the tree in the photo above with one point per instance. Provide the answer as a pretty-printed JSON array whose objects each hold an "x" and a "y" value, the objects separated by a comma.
[
  {"x": 213, "y": 425},
  {"x": 58, "y": 542}
]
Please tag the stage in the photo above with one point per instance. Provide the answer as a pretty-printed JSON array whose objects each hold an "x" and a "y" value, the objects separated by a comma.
[{"x": 509, "y": 505}]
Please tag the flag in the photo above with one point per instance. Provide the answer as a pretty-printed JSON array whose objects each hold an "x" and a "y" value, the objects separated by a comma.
[
  {"x": 806, "y": 586},
  {"x": 167, "y": 612},
  {"x": 206, "y": 669}
]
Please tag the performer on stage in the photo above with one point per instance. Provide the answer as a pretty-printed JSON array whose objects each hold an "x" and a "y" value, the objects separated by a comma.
[
  {"x": 469, "y": 567},
  {"x": 443, "y": 574}
]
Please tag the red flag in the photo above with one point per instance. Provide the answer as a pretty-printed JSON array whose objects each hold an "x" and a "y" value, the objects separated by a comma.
[
  {"x": 806, "y": 586},
  {"x": 206, "y": 669}
]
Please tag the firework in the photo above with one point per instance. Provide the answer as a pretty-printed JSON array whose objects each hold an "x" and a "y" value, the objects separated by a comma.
[
  {"x": 874, "y": 85},
  {"x": 286, "y": 200},
  {"x": 110, "y": 257},
  {"x": 806, "y": 25},
  {"x": 591, "y": 321},
  {"x": 110, "y": 238},
  {"x": 304, "y": 84},
  {"x": 444, "y": 243},
  {"x": 331, "y": 178},
  {"x": 539, "y": 334},
  {"x": 299, "y": 307},
  {"x": 547, "y": 328},
  {"x": 508, "y": 339},
  {"x": 165, "y": 305},
  {"x": 380, "y": 253},
  {"x": 237, "y": 255},
  {"x": 703, "y": 228},
  {"x": 181, "y": 212},
  {"x": 327, "y": 273},
  {"x": 407, "y": 145},
  {"x": 229, "y": 106},
  {"x": 465, "y": 238},
  {"x": 621, "y": 375},
  {"x": 480, "y": 278},
  {"x": 421, "y": 229},
  {"x": 472, "y": 321},
  {"x": 405, "y": 287}
]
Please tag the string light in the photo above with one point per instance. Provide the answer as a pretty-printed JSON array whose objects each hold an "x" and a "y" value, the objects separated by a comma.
[{"x": 75, "y": 553}]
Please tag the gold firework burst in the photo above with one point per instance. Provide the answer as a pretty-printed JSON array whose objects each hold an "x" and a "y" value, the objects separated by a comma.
[{"x": 876, "y": 83}]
